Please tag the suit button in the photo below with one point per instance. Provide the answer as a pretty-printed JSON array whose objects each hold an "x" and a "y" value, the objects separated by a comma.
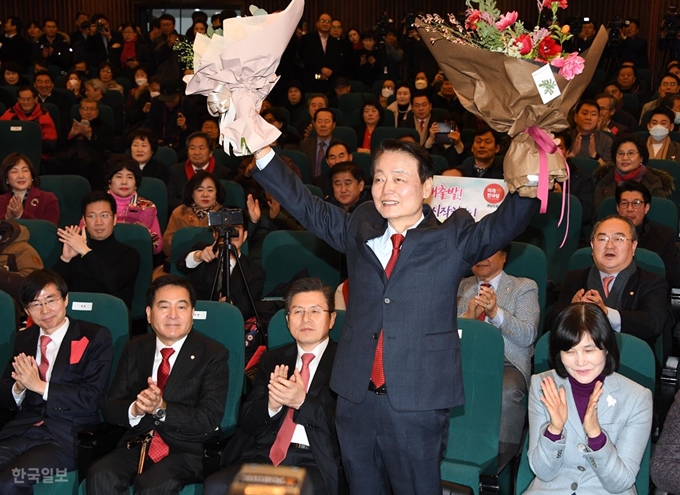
[
  {"x": 574, "y": 486},
  {"x": 581, "y": 447},
  {"x": 375, "y": 336},
  {"x": 387, "y": 300},
  {"x": 156, "y": 423},
  {"x": 581, "y": 468}
]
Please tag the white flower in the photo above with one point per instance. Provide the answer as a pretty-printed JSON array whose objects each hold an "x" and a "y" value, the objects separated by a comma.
[{"x": 611, "y": 401}]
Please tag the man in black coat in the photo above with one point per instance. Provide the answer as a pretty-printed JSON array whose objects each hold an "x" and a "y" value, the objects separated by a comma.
[
  {"x": 55, "y": 382},
  {"x": 322, "y": 57},
  {"x": 292, "y": 391},
  {"x": 171, "y": 383}
]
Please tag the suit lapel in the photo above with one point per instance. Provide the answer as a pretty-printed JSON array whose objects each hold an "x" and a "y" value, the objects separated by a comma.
[
  {"x": 323, "y": 372},
  {"x": 413, "y": 239},
  {"x": 371, "y": 230},
  {"x": 504, "y": 290},
  {"x": 607, "y": 403},
  {"x": 62, "y": 362},
  {"x": 184, "y": 366},
  {"x": 628, "y": 295}
]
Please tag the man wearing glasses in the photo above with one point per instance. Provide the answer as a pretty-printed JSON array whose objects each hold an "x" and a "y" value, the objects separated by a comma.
[
  {"x": 289, "y": 417},
  {"x": 633, "y": 201},
  {"x": 55, "y": 382},
  {"x": 322, "y": 56},
  {"x": 92, "y": 259},
  {"x": 635, "y": 300}
]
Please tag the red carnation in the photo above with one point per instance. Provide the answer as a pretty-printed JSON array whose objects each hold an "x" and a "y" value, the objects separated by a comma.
[{"x": 524, "y": 42}]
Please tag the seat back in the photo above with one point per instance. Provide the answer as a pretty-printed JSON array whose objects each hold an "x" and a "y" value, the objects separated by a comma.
[
  {"x": 285, "y": 253},
  {"x": 21, "y": 137},
  {"x": 54, "y": 112},
  {"x": 644, "y": 258},
  {"x": 138, "y": 237},
  {"x": 236, "y": 197},
  {"x": 8, "y": 315},
  {"x": 382, "y": 133},
  {"x": 43, "y": 238},
  {"x": 184, "y": 240},
  {"x": 315, "y": 190},
  {"x": 673, "y": 168},
  {"x": 105, "y": 310},
  {"x": 300, "y": 159},
  {"x": 69, "y": 190},
  {"x": 529, "y": 261},
  {"x": 587, "y": 164},
  {"x": 543, "y": 231},
  {"x": 223, "y": 323},
  {"x": 474, "y": 427},
  {"x": 349, "y": 102},
  {"x": 636, "y": 362},
  {"x": 347, "y": 135},
  {"x": 278, "y": 334},
  {"x": 156, "y": 191},
  {"x": 365, "y": 161},
  {"x": 661, "y": 210},
  {"x": 166, "y": 155}
]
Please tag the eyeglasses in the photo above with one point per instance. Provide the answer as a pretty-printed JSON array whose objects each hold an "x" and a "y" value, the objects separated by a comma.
[
  {"x": 50, "y": 302},
  {"x": 629, "y": 154},
  {"x": 668, "y": 84},
  {"x": 313, "y": 312},
  {"x": 103, "y": 216},
  {"x": 324, "y": 21},
  {"x": 635, "y": 204},
  {"x": 617, "y": 239}
]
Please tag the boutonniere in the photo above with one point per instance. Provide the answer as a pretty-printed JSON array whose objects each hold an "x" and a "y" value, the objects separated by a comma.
[
  {"x": 611, "y": 401},
  {"x": 78, "y": 349}
]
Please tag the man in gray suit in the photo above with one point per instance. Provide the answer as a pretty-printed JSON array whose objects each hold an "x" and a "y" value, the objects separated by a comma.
[
  {"x": 397, "y": 370},
  {"x": 510, "y": 304}
]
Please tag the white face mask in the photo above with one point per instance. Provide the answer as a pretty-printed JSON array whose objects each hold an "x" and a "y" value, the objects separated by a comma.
[
  {"x": 677, "y": 118},
  {"x": 387, "y": 92},
  {"x": 72, "y": 83},
  {"x": 154, "y": 93},
  {"x": 141, "y": 81},
  {"x": 421, "y": 84},
  {"x": 658, "y": 132}
]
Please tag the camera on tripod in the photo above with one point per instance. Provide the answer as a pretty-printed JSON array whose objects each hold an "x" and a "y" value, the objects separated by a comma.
[
  {"x": 226, "y": 218},
  {"x": 671, "y": 23},
  {"x": 615, "y": 25}
]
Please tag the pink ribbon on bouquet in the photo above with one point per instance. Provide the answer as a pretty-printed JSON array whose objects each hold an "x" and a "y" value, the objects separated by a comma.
[{"x": 546, "y": 145}]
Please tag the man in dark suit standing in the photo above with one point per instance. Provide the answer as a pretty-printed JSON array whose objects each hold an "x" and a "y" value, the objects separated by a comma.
[
  {"x": 398, "y": 368},
  {"x": 171, "y": 386},
  {"x": 289, "y": 417},
  {"x": 322, "y": 57},
  {"x": 55, "y": 382}
]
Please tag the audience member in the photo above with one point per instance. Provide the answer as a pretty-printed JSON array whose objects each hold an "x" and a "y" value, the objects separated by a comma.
[
  {"x": 659, "y": 144},
  {"x": 92, "y": 259},
  {"x": 306, "y": 123},
  {"x": 53, "y": 48},
  {"x": 635, "y": 301},
  {"x": 633, "y": 201},
  {"x": 199, "y": 266},
  {"x": 136, "y": 52},
  {"x": 627, "y": 79},
  {"x": 11, "y": 75},
  {"x": 202, "y": 194},
  {"x": 607, "y": 104},
  {"x": 124, "y": 177},
  {"x": 104, "y": 44},
  {"x": 108, "y": 77},
  {"x": 289, "y": 417},
  {"x": 315, "y": 146},
  {"x": 347, "y": 179},
  {"x": 632, "y": 48},
  {"x": 20, "y": 196},
  {"x": 143, "y": 147},
  {"x": 370, "y": 63},
  {"x": 511, "y": 305},
  {"x": 630, "y": 155},
  {"x": 567, "y": 429},
  {"x": 44, "y": 85},
  {"x": 401, "y": 106},
  {"x": 386, "y": 92},
  {"x": 28, "y": 109},
  {"x": 588, "y": 142},
  {"x": 57, "y": 398},
  {"x": 170, "y": 389},
  {"x": 13, "y": 46},
  {"x": 669, "y": 84},
  {"x": 171, "y": 117},
  {"x": 18, "y": 258},
  {"x": 371, "y": 115},
  {"x": 321, "y": 56},
  {"x": 483, "y": 162},
  {"x": 199, "y": 148},
  {"x": 419, "y": 119},
  {"x": 621, "y": 116},
  {"x": 446, "y": 142}
]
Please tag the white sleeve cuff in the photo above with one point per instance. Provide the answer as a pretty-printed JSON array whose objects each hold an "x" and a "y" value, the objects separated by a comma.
[{"x": 264, "y": 161}]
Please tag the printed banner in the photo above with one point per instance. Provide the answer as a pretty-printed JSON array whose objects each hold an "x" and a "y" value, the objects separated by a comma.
[{"x": 478, "y": 196}]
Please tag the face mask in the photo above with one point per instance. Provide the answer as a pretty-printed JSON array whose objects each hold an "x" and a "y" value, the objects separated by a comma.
[
  {"x": 141, "y": 81},
  {"x": 658, "y": 132},
  {"x": 154, "y": 93},
  {"x": 387, "y": 92},
  {"x": 677, "y": 118},
  {"x": 421, "y": 84},
  {"x": 72, "y": 83}
]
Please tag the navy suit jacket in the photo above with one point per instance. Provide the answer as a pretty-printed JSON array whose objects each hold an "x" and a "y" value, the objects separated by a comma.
[
  {"x": 76, "y": 389},
  {"x": 416, "y": 307},
  {"x": 317, "y": 414},
  {"x": 195, "y": 393}
]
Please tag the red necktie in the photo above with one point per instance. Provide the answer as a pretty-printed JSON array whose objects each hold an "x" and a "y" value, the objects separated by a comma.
[
  {"x": 606, "y": 282},
  {"x": 44, "y": 362},
  {"x": 378, "y": 372},
  {"x": 280, "y": 446},
  {"x": 158, "y": 449},
  {"x": 482, "y": 316}
]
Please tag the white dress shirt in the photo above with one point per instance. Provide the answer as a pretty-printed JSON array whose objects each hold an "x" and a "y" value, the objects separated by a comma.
[{"x": 613, "y": 314}]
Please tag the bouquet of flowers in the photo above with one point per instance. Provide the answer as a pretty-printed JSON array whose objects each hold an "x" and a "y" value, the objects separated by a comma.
[
  {"x": 519, "y": 82},
  {"x": 236, "y": 71}
]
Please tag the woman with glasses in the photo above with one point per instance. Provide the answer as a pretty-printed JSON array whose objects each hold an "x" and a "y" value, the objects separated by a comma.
[
  {"x": 588, "y": 425},
  {"x": 629, "y": 155}
]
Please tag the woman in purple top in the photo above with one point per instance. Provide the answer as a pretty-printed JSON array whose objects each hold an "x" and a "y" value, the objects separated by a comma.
[{"x": 588, "y": 425}]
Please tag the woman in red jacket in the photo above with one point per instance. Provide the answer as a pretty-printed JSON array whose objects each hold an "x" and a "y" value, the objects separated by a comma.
[{"x": 20, "y": 196}]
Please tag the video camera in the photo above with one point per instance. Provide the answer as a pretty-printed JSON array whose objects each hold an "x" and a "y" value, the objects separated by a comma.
[
  {"x": 671, "y": 23},
  {"x": 615, "y": 25}
]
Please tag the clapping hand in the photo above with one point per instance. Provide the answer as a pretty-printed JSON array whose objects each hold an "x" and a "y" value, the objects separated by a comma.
[
  {"x": 15, "y": 208},
  {"x": 555, "y": 402},
  {"x": 591, "y": 425},
  {"x": 75, "y": 242}
]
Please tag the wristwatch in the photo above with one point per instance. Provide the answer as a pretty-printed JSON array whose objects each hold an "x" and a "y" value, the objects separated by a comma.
[{"x": 160, "y": 412}]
